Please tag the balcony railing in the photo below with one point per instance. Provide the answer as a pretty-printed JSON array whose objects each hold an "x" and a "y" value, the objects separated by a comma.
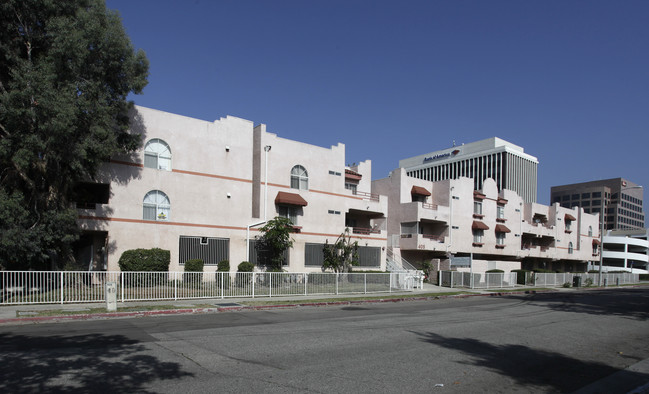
[
  {"x": 365, "y": 230},
  {"x": 368, "y": 196},
  {"x": 437, "y": 238},
  {"x": 426, "y": 205}
]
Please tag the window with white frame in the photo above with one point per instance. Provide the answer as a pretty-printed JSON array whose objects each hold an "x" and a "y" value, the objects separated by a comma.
[
  {"x": 351, "y": 186},
  {"x": 299, "y": 178},
  {"x": 500, "y": 212},
  {"x": 568, "y": 224},
  {"x": 477, "y": 236},
  {"x": 500, "y": 238},
  {"x": 477, "y": 207},
  {"x": 570, "y": 248},
  {"x": 157, "y": 155},
  {"x": 156, "y": 206},
  {"x": 590, "y": 231},
  {"x": 288, "y": 211}
]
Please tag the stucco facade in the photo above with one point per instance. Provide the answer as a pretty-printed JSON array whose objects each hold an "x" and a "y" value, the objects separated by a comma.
[
  {"x": 432, "y": 221},
  {"x": 210, "y": 195}
]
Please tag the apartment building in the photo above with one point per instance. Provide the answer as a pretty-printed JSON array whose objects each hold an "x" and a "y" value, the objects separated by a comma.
[
  {"x": 493, "y": 158},
  {"x": 621, "y": 200},
  {"x": 447, "y": 221},
  {"x": 203, "y": 189}
]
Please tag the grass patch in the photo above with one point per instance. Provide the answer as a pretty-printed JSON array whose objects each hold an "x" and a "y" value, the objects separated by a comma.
[{"x": 86, "y": 311}]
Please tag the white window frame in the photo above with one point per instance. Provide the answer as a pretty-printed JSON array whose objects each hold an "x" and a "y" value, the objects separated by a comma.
[
  {"x": 299, "y": 178},
  {"x": 500, "y": 238},
  {"x": 477, "y": 236},
  {"x": 160, "y": 203},
  {"x": 477, "y": 207},
  {"x": 157, "y": 154},
  {"x": 500, "y": 212},
  {"x": 288, "y": 211},
  {"x": 570, "y": 248}
]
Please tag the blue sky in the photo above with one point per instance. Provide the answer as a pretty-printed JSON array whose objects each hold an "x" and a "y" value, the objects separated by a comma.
[{"x": 566, "y": 80}]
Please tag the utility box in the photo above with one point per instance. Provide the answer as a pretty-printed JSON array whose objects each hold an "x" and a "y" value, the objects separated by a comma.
[
  {"x": 576, "y": 281},
  {"x": 111, "y": 296}
]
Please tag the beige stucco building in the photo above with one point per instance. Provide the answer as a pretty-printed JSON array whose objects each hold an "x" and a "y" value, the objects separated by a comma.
[
  {"x": 449, "y": 221},
  {"x": 203, "y": 189}
]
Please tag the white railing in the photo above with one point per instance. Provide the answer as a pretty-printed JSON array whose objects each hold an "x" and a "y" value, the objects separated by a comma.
[
  {"x": 397, "y": 264},
  {"x": 42, "y": 287},
  {"x": 489, "y": 280},
  {"x": 502, "y": 280},
  {"x": 568, "y": 279}
]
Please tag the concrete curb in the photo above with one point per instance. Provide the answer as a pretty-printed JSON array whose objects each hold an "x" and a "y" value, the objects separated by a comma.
[{"x": 189, "y": 311}]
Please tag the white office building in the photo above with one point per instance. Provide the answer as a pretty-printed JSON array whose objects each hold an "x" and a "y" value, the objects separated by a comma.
[{"x": 494, "y": 158}]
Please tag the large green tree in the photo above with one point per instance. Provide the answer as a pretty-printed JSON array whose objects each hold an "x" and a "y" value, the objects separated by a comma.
[{"x": 66, "y": 69}]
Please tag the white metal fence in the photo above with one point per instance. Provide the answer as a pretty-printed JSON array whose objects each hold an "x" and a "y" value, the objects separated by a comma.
[
  {"x": 489, "y": 280},
  {"x": 501, "y": 280},
  {"x": 38, "y": 287}
]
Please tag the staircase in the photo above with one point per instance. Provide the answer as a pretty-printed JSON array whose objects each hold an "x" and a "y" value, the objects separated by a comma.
[{"x": 395, "y": 263}]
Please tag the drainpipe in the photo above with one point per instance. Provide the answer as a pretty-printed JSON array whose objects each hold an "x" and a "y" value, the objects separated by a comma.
[
  {"x": 450, "y": 220},
  {"x": 266, "y": 149}
]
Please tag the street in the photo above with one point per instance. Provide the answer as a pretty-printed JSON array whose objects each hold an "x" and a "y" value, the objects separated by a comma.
[{"x": 555, "y": 342}]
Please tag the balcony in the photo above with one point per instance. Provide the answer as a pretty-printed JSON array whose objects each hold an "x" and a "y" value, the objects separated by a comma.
[
  {"x": 422, "y": 242},
  {"x": 418, "y": 211}
]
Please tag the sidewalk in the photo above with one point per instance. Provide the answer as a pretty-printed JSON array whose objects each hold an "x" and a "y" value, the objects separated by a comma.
[{"x": 35, "y": 313}]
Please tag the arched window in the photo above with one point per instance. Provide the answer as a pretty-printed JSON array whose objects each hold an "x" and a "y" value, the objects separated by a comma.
[
  {"x": 570, "y": 248},
  {"x": 157, "y": 155},
  {"x": 590, "y": 231},
  {"x": 299, "y": 178},
  {"x": 156, "y": 206}
]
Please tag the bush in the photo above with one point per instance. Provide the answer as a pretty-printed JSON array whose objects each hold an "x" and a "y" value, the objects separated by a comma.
[
  {"x": 223, "y": 266},
  {"x": 644, "y": 276},
  {"x": 495, "y": 271},
  {"x": 191, "y": 268},
  {"x": 522, "y": 276},
  {"x": 144, "y": 260},
  {"x": 244, "y": 279},
  {"x": 567, "y": 285},
  {"x": 246, "y": 266}
]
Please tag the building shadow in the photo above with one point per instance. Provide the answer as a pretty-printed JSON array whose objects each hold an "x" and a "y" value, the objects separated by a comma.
[
  {"x": 533, "y": 368},
  {"x": 79, "y": 363}
]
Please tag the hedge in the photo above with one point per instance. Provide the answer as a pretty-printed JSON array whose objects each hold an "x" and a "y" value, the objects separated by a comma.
[
  {"x": 145, "y": 260},
  {"x": 193, "y": 271}
]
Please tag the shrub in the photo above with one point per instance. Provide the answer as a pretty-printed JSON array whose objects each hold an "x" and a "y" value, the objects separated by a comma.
[
  {"x": 522, "y": 276},
  {"x": 588, "y": 282},
  {"x": 244, "y": 279},
  {"x": 245, "y": 266},
  {"x": 567, "y": 285},
  {"x": 193, "y": 271},
  {"x": 644, "y": 276},
  {"x": 144, "y": 260},
  {"x": 495, "y": 271},
  {"x": 223, "y": 266}
]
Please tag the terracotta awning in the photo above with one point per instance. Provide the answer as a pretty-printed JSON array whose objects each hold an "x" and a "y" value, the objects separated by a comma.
[
  {"x": 501, "y": 228},
  {"x": 290, "y": 199},
  {"x": 478, "y": 195},
  {"x": 420, "y": 191},
  {"x": 501, "y": 201},
  {"x": 479, "y": 225},
  {"x": 350, "y": 174},
  {"x": 570, "y": 217},
  {"x": 596, "y": 242}
]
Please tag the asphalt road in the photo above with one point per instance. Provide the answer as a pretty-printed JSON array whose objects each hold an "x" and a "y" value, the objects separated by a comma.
[{"x": 557, "y": 342}]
